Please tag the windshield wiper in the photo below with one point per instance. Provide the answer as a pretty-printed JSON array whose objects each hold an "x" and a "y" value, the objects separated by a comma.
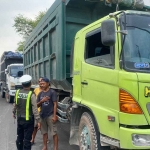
[
  {"x": 139, "y": 53},
  {"x": 139, "y": 28}
]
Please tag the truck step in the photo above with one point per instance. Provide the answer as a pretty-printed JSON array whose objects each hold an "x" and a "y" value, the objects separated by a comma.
[
  {"x": 64, "y": 106},
  {"x": 62, "y": 113},
  {"x": 64, "y": 103},
  {"x": 105, "y": 140},
  {"x": 62, "y": 119}
]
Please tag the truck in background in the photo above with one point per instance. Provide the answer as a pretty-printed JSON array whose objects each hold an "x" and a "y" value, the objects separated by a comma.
[
  {"x": 11, "y": 70},
  {"x": 100, "y": 72}
]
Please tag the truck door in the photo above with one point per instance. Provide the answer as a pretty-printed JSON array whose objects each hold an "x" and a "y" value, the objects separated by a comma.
[{"x": 100, "y": 82}]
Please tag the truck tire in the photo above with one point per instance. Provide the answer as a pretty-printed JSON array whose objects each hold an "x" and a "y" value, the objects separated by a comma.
[
  {"x": 88, "y": 134},
  {"x": 10, "y": 99}
]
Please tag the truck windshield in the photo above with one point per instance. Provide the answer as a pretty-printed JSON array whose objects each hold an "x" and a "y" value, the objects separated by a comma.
[
  {"x": 16, "y": 71},
  {"x": 136, "y": 48}
]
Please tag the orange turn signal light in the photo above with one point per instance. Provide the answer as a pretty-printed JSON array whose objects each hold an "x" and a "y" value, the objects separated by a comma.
[{"x": 128, "y": 104}]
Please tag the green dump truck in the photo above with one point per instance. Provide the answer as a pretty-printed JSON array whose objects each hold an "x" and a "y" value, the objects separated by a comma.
[{"x": 98, "y": 61}]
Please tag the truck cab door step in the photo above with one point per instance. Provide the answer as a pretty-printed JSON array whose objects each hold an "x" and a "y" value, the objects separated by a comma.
[
  {"x": 62, "y": 119},
  {"x": 64, "y": 106},
  {"x": 62, "y": 113}
]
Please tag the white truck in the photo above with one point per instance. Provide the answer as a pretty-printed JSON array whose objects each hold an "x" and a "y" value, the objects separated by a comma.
[{"x": 11, "y": 71}]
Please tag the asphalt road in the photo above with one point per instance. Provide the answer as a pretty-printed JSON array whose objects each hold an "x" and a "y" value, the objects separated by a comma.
[{"x": 8, "y": 132}]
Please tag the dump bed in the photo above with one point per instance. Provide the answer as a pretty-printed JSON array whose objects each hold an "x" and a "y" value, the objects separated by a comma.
[{"x": 47, "y": 50}]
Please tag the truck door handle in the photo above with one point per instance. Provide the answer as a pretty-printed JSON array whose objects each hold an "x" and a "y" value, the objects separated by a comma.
[{"x": 84, "y": 83}]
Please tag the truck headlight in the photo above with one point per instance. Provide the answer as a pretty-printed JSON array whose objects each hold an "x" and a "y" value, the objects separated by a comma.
[
  {"x": 141, "y": 139},
  {"x": 12, "y": 88},
  {"x": 12, "y": 84}
]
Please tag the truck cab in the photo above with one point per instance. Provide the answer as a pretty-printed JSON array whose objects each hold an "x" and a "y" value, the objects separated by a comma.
[
  {"x": 13, "y": 73},
  {"x": 11, "y": 69},
  {"x": 111, "y": 82}
]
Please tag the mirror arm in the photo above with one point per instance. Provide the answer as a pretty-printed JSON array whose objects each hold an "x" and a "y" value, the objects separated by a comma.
[
  {"x": 124, "y": 32},
  {"x": 121, "y": 64}
]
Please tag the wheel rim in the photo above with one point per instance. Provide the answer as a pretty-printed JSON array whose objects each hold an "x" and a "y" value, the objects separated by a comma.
[{"x": 85, "y": 139}]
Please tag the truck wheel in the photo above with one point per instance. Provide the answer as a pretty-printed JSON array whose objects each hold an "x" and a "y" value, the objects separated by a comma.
[
  {"x": 10, "y": 99},
  {"x": 89, "y": 138}
]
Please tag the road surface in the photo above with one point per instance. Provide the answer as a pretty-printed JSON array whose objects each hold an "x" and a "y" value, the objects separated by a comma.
[{"x": 8, "y": 132}]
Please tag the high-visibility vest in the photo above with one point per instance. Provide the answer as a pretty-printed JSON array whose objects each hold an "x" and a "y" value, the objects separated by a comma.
[{"x": 27, "y": 102}]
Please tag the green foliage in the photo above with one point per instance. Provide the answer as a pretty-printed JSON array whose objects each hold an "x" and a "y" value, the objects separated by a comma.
[
  {"x": 24, "y": 26},
  {"x": 20, "y": 46},
  {"x": 39, "y": 17}
]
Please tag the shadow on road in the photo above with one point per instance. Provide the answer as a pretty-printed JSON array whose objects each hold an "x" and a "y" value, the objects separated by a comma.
[{"x": 8, "y": 132}]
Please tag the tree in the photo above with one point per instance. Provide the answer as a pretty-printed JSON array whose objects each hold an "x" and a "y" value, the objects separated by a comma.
[
  {"x": 39, "y": 17},
  {"x": 24, "y": 26},
  {"x": 20, "y": 46}
]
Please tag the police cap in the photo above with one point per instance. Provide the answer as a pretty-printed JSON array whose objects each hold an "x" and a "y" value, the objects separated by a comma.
[{"x": 25, "y": 79}]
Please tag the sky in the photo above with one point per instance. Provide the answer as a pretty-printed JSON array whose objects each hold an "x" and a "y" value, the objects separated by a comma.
[
  {"x": 147, "y": 2},
  {"x": 9, "y": 9}
]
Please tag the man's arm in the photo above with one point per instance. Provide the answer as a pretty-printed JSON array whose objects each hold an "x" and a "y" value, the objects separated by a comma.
[
  {"x": 55, "y": 108},
  {"x": 14, "y": 108},
  {"x": 39, "y": 102},
  {"x": 34, "y": 108},
  {"x": 54, "y": 99}
]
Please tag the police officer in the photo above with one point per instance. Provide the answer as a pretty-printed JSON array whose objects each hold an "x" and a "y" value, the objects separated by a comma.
[{"x": 25, "y": 110}]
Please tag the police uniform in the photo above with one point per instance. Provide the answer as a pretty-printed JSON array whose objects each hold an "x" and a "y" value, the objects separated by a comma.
[{"x": 25, "y": 109}]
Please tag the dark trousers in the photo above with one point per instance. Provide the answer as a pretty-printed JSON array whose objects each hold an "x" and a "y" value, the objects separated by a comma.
[{"x": 24, "y": 134}]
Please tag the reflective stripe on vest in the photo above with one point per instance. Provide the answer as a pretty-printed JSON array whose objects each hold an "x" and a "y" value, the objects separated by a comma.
[
  {"x": 27, "y": 103},
  {"x": 17, "y": 92}
]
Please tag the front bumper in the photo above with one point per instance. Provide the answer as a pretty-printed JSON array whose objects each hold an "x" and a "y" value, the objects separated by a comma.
[
  {"x": 12, "y": 92},
  {"x": 18, "y": 87},
  {"x": 126, "y": 138}
]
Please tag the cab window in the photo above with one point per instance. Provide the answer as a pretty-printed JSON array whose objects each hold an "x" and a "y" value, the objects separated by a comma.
[{"x": 96, "y": 53}]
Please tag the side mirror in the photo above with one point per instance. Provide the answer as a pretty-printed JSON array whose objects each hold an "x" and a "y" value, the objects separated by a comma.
[
  {"x": 20, "y": 73},
  {"x": 108, "y": 32},
  {"x": 6, "y": 71}
]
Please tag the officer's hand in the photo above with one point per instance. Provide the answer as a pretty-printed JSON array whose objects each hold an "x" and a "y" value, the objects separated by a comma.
[
  {"x": 54, "y": 119},
  {"x": 39, "y": 126}
]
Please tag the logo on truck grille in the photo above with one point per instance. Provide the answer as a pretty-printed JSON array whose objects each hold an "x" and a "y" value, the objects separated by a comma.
[{"x": 147, "y": 91}]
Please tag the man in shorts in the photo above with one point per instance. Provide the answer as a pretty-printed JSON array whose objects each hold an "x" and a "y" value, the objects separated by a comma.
[
  {"x": 36, "y": 91},
  {"x": 47, "y": 100}
]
